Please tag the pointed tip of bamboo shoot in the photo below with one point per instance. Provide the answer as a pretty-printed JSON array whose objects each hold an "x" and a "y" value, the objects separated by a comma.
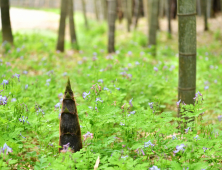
[{"x": 68, "y": 85}]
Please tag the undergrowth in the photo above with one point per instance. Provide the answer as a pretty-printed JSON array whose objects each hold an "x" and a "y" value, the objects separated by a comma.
[{"x": 127, "y": 104}]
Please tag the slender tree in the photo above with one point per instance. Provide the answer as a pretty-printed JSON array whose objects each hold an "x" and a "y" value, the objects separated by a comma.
[
  {"x": 129, "y": 13},
  {"x": 84, "y": 13},
  {"x": 62, "y": 22},
  {"x": 104, "y": 9},
  {"x": 111, "y": 23},
  {"x": 209, "y": 8},
  {"x": 220, "y": 5},
  {"x": 145, "y": 8},
  {"x": 153, "y": 23},
  {"x": 186, "y": 12},
  {"x": 162, "y": 8},
  {"x": 137, "y": 12},
  {"x": 168, "y": 6},
  {"x": 204, "y": 11},
  {"x": 6, "y": 24},
  {"x": 199, "y": 7},
  {"x": 96, "y": 9},
  {"x": 72, "y": 29}
]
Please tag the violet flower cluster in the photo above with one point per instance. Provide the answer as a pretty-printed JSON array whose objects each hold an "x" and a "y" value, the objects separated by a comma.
[
  {"x": 6, "y": 149},
  {"x": 3, "y": 100}
]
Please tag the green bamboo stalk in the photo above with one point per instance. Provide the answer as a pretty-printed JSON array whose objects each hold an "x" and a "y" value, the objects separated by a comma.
[
  {"x": 62, "y": 22},
  {"x": 72, "y": 29},
  {"x": 168, "y": 6},
  {"x": 84, "y": 14},
  {"x": 6, "y": 23},
  {"x": 111, "y": 25},
  {"x": 153, "y": 24},
  {"x": 104, "y": 9},
  {"x": 204, "y": 11},
  {"x": 186, "y": 12},
  {"x": 137, "y": 12},
  {"x": 96, "y": 9}
]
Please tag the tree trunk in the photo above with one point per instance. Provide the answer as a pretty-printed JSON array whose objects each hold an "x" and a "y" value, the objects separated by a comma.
[
  {"x": 72, "y": 30},
  {"x": 204, "y": 11},
  {"x": 186, "y": 12},
  {"x": 6, "y": 24},
  {"x": 153, "y": 23},
  {"x": 168, "y": 6},
  {"x": 199, "y": 7},
  {"x": 96, "y": 9},
  {"x": 62, "y": 22},
  {"x": 145, "y": 8},
  {"x": 209, "y": 7},
  {"x": 104, "y": 9},
  {"x": 129, "y": 14},
  {"x": 111, "y": 23},
  {"x": 84, "y": 13},
  {"x": 137, "y": 12},
  {"x": 162, "y": 8},
  {"x": 220, "y": 5}
]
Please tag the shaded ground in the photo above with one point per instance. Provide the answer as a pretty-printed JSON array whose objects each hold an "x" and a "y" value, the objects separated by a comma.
[
  {"x": 29, "y": 19},
  {"x": 36, "y": 19}
]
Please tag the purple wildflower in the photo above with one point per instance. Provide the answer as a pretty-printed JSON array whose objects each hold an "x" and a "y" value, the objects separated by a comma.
[
  {"x": 4, "y": 82},
  {"x": 105, "y": 88},
  {"x": 179, "y": 148},
  {"x": 22, "y": 136},
  {"x": 187, "y": 129},
  {"x": 174, "y": 137},
  {"x": 154, "y": 168},
  {"x": 3, "y": 100},
  {"x": 147, "y": 144},
  {"x": 204, "y": 148},
  {"x": 196, "y": 137},
  {"x": 124, "y": 157},
  {"x": 60, "y": 95},
  {"x": 215, "y": 81},
  {"x": 151, "y": 105},
  {"x": 178, "y": 103},
  {"x": 100, "y": 80},
  {"x": 26, "y": 86},
  {"x": 25, "y": 72},
  {"x": 5, "y": 148},
  {"x": 133, "y": 112},
  {"x": 142, "y": 152},
  {"x": 85, "y": 94},
  {"x": 155, "y": 69},
  {"x": 130, "y": 53},
  {"x": 130, "y": 102},
  {"x": 13, "y": 100},
  {"x": 137, "y": 63},
  {"x": 65, "y": 147},
  {"x": 219, "y": 118},
  {"x": 57, "y": 105},
  {"x": 16, "y": 75},
  {"x": 88, "y": 134},
  {"x": 206, "y": 87},
  {"x": 121, "y": 124},
  {"x": 64, "y": 74},
  {"x": 99, "y": 99}
]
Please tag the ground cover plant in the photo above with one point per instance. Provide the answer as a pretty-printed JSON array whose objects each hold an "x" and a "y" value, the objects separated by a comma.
[{"x": 127, "y": 103}]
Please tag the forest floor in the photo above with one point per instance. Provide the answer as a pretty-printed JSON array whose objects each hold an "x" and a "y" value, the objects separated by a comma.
[{"x": 33, "y": 19}]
